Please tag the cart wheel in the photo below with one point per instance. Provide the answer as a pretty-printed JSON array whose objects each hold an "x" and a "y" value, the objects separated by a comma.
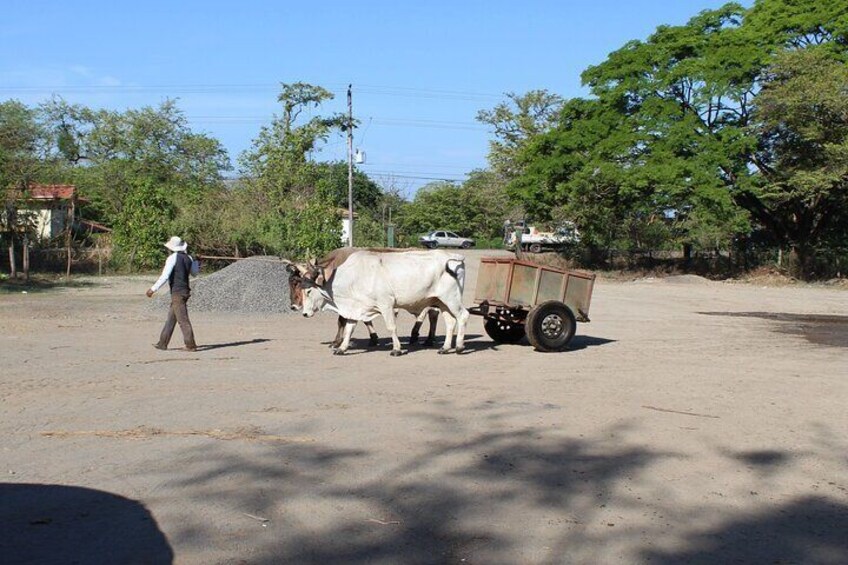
[
  {"x": 504, "y": 332},
  {"x": 535, "y": 248},
  {"x": 550, "y": 326}
]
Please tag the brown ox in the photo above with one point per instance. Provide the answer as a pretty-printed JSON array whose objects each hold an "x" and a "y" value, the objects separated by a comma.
[{"x": 323, "y": 269}]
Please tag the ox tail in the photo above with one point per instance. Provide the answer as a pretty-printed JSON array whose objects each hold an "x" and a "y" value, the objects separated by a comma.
[{"x": 456, "y": 269}]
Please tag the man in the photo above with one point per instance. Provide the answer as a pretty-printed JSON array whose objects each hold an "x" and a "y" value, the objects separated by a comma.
[{"x": 178, "y": 267}]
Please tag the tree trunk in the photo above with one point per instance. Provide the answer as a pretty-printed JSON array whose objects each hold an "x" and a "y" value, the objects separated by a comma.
[
  {"x": 26, "y": 258},
  {"x": 801, "y": 261},
  {"x": 69, "y": 235},
  {"x": 13, "y": 269}
]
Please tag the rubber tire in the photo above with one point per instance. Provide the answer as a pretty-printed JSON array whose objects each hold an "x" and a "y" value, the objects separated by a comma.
[
  {"x": 535, "y": 248},
  {"x": 540, "y": 337},
  {"x": 512, "y": 333},
  {"x": 465, "y": 244}
]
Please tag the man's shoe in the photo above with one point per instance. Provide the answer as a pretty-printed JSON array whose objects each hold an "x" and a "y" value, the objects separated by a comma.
[{"x": 160, "y": 347}]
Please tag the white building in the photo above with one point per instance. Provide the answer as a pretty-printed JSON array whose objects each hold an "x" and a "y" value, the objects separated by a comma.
[{"x": 50, "y": 208}]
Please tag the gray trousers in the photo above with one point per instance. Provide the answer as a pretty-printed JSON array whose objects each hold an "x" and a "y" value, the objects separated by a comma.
[{"x": 177, "y": 313}]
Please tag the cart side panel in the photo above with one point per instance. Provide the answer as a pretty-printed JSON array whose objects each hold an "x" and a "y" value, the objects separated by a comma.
[
  {"x": 550, "y": 286},
  {"x": 492, "y": 281},
  {"x": 578, "y": 294},
  {"x": 485, "y": 280},
  {"x": 523, "y": 286}
]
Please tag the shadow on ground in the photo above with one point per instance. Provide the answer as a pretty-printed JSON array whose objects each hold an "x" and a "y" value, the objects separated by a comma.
[
  {"x": 211, "y": 346},
  {"x": 440, "y": 504},
  {"x": 821, "y": 329},
  {"x": 806, "y": 530},
  {"x": 65, "y": 524},
  {"x": 36, "y": 285},
  {"x": 470, "y": 487},
  {"x": 473, "y": 344},
  {"x": 585, "y": 341}
]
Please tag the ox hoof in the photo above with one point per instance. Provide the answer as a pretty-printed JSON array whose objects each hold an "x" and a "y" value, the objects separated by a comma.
[
  {"x": 396, "y": 353},
  {"x": 442, "y": 351},
  {"x": 372, "y": 341},
  {"x": 338, "y": 352},
  {"x": 460, "y": 350}
]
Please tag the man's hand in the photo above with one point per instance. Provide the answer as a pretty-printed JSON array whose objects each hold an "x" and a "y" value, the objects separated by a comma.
[{"x": 149, "y": 293}]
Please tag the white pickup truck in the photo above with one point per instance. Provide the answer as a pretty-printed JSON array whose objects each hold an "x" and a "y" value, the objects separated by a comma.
[{"x": 536, "y": 241}]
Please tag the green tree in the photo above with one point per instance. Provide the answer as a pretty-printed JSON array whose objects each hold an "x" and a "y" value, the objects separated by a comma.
[
  {"x": 279, "y": 159},
  {"x": 684, "y": 97},
  {"x": 332, "y": 182},
  {"x": 120, "y": 158},
  {"x": 584, "y": 171},
  {"x": 442, "y": 205},
  {"x": 514, "y": 122},
  {"x": 25, "y": 158},
  {"x": 671, "y": 132},
  {"x": 801, "y": 118},
  {"x": 142, "y": 225},
  {"x": 22, "y": 143},
  {"x": 310, "y": 228},
  {"x": 294, "y": 210},
  {"x": 488, "y": 189},
  {"x": 113, "y": 151}
]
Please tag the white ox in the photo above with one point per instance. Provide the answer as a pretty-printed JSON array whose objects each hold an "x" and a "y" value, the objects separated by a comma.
[
  {"x": 324, "y": 268},
  {"x": 370, "y": 284}
]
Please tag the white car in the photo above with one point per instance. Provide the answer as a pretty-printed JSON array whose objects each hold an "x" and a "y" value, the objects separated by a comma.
[{"x": 442, "y": 238}]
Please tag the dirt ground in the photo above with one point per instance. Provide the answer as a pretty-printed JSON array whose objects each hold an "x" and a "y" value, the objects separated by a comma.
[{"x": 691, "y": 421}]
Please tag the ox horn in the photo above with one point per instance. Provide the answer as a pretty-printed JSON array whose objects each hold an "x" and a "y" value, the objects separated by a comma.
[{"x": 291, "y": 267}]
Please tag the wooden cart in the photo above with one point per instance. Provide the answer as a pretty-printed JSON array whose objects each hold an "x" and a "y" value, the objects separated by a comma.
[{"x": 519, "y": 298}]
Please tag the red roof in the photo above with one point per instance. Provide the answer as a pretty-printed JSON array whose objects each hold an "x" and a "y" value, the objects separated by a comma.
[{"x": 52, "y": 191}]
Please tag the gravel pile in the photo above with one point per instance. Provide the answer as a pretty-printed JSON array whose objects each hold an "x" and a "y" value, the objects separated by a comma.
[{"x": 258, "y": 285}]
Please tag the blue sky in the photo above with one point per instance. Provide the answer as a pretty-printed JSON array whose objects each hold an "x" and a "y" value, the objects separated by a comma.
[{"x": 420, "y": 71}]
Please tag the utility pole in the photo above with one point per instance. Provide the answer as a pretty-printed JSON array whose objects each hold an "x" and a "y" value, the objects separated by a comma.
[{"x": 350, "y": 165}]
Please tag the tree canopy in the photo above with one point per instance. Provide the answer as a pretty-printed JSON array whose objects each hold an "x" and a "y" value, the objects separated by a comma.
[{"x": 699, "y": 128}]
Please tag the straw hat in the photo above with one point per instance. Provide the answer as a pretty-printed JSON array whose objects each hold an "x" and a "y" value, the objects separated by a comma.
[{"x": 176, "y": 244}]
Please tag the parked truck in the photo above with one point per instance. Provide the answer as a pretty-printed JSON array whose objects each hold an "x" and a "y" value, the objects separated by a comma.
[{"x": 535, "y": 241}]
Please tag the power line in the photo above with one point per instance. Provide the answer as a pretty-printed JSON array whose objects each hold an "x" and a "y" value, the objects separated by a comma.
[
  {"x": 397, "y": 91},
  {"x": 422, "y": 176},
  {"x": 393, "y": 122},
  {"x": 419, "y": 166},
  {"x": 434, "y": 124}
]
